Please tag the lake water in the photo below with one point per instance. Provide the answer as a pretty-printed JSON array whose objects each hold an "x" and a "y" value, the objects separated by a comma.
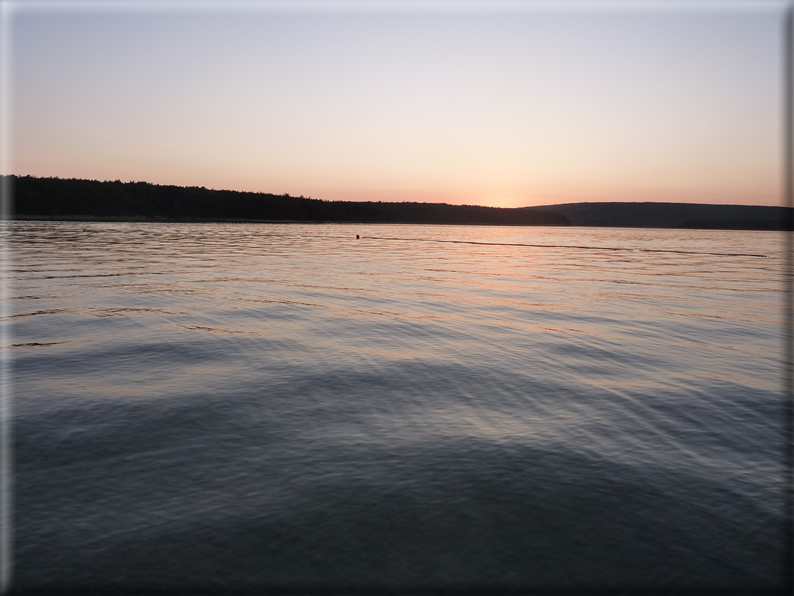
[{"x": 259, "y": 407}]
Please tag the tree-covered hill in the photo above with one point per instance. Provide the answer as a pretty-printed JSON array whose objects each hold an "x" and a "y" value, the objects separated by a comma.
[
  {"x": 72, "y": 198},
  {"x": 674, "y": 215}
]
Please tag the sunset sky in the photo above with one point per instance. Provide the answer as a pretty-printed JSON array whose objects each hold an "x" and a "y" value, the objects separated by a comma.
[{"x": 508, "y": 104}]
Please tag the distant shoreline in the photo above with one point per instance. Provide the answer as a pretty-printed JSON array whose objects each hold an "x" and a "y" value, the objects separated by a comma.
[
  {"x": 59, "y": 199},
  {"x": 91, "y": 200},
  {"x": 141, "y": 219},
  {"x": 688, "y": 216},
  {"x": 134, "y": 219}
]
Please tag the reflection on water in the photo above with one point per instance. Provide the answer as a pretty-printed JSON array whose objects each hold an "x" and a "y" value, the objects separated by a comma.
[{"x": 248, "y": 406}]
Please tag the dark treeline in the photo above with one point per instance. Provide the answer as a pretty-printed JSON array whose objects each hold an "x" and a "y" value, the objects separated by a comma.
[
  {"x": 676, "y": 215},
  {"x": 71, "y": 198}
]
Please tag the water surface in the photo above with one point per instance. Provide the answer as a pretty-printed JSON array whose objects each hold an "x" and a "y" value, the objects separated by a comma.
[{"x": 265, "y": 407}]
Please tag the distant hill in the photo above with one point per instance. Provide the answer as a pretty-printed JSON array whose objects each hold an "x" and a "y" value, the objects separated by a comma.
[
  {"x": 59, "y": 198},
  {"x": 674, "y": 215}
]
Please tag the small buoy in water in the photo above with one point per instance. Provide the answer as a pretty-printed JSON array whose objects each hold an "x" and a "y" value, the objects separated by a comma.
[{"x": 356, "y": 236}]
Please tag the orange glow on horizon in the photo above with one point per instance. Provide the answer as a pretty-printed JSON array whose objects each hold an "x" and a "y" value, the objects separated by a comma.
[{"x": 501, "y": 110}]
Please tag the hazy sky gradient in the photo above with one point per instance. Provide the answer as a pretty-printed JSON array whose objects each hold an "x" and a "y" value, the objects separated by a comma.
[{"x": 520, "y": 104}]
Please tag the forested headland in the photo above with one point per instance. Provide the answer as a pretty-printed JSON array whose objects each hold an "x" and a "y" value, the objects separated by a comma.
[{"x": 61, "y": 198}]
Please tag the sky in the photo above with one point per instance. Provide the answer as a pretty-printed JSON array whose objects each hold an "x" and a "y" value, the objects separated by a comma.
[{"x": 505, "y": 104}]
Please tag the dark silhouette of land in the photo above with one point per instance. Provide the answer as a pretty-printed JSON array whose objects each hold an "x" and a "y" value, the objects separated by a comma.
[
  {"x": 59, "y": 198},
  {"x": 675, "y": 215}
]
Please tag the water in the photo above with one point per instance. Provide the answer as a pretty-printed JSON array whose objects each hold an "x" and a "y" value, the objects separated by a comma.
[{"x": 283, "y": 407}]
